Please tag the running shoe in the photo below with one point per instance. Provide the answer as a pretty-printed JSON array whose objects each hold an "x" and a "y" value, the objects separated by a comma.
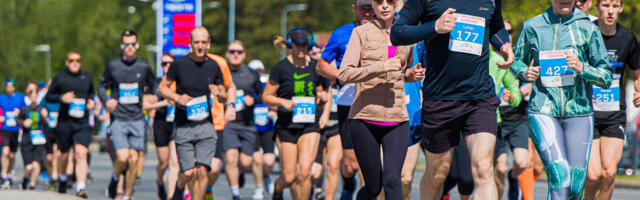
[{"x": 82, "y": 194}]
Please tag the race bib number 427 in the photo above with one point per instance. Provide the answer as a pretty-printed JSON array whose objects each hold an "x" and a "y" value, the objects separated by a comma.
[
  {"x": 554, "y": 71},
  {"x": 468, "y": 35}
]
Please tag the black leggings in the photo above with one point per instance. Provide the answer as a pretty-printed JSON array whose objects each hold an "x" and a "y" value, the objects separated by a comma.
[
  {"x": 366, "y": 139},
  {"x": 460, "y": 171}
]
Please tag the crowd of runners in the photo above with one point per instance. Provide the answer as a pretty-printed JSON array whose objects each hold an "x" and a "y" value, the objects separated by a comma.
[{"x": 437, "y": 76}]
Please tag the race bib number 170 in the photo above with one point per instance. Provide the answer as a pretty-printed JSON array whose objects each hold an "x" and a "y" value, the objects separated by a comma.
[{"x": 468, "y": 35}]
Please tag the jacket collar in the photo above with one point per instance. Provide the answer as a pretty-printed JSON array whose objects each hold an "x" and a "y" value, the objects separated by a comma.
[{"x": 553, "y": 18}]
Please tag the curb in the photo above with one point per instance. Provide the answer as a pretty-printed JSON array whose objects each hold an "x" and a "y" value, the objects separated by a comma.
[{"x": 618, "y": 184}]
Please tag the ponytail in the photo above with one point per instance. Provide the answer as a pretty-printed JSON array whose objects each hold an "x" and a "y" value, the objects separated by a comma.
[{"x": 279, "y": 42}]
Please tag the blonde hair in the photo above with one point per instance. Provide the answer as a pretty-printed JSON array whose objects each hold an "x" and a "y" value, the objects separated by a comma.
[{"x": 279, "y": 42}]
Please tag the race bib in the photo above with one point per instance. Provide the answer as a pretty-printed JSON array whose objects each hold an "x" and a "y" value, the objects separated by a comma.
[
  {"x": 77, "y": 107},
  {"x": 407, "y": 99},
  {"x": 305, "y": 110},
  {"x": 129, "y": 93},
  {"x": 37, "y": 137},
  {"x": 197, "y": 109},
  {"x": 607, "y": 99},
  {"x": 53, "y": 119},
  {"x": 11, "y": 118},
  {"x": 334, "y": 103},
  {"x": 261, "y": 116},
  {"x": 239, "y": 100},
  {"x": 468, "y": 35},
  {"x": 171, "y": 113},
  {"x": 554, "y": 71},
  {"x": 502, "y": 102}
]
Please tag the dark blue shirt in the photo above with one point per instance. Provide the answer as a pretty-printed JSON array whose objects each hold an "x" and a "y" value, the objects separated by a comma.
[
  {"x": 451, "y": 75},
  {"x": 337, "y": 44}
]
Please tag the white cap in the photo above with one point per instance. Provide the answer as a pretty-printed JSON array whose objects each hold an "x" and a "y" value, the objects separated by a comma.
[{"x": 256, "y": 64}]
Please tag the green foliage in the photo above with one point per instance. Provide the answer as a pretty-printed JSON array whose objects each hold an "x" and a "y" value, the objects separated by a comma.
[{"x": 93, "y": 27}]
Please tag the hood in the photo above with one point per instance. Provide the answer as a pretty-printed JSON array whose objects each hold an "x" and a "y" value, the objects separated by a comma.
[{"x": 553, "y": 18}]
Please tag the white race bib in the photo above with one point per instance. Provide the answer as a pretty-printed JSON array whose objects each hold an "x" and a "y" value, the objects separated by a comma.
[
  {"x": 11, "y": 118},
  {"x": 468, "y": 35},
  {"x": 53, "y": 119},
  {"x": 239, "y": 100},
  {"x": 502, "y": 102},
  {"x": 128, "y": 93},
  {"x": 305, "y": 110},
  {"x": 261, "y": 116},
  {"x": 554, "y": 71},
  {"x": 37, "y": 137},
  {"x": 77, "y": 107},
  {"x": 607, "y": 99},
  {"x": 171, "y": 113},
  {"x": 334, "y": 103},
  {"x": 197, "y": 109}
]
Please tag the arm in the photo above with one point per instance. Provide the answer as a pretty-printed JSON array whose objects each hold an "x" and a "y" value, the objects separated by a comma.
[
  {"x": 257, "y": 86},
  {"x": 53, "y": 94},
  {"x": 522, "y": 54},
  {"x": 104, "y": 84},
  {"x": 269, "y": 96},
  {"x": 326, "y": 107},
  {"x": 151, "y": 82},
  {"x": 156, "y": 105},
  {"x": 596, "y": 70},
  {"x": 510, "y": 83},
  {"x": 499, "y": 35},
  {"x": 326, "y": 69},
  {"x": 165, "y": 91},
  {"x": 330, "y": 52},
  {"x": 407, "y": 29},
  {"x": 350, "y": 69}
]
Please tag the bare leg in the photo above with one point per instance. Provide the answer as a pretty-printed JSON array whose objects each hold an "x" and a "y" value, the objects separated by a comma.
[
  {"x": 437, "y": 170},
  {"x": 334, "y": 155},
  {"x": 482, "y": 145}
]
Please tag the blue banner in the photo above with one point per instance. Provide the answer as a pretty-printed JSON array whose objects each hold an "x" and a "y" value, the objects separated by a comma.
[{"x": 174, "y": 21}]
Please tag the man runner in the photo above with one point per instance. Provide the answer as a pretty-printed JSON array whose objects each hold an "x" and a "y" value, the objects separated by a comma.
[{"x": 11, "y": 102}]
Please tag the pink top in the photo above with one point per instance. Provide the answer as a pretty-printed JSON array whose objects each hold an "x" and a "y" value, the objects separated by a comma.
[
  {"x": 382, "y": 123},
  {"x": 392, "y": 51}
]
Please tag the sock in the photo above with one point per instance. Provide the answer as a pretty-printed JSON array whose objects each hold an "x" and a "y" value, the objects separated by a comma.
[
  {"x": 113, "y": 176},
  {"x": 5, "y": 177},
  {"x": 526, "y": 184},
  {"x": 259, "y": 190},
  {"x": 235, "y": 191},
  {"x": 63, "y": 177},
  {"x": 126, "y": 198},
  {"x": 54, "y": 177},
  {"x": 80, "y": 186}
]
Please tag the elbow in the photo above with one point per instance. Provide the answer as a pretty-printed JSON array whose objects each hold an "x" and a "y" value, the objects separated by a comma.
[{"x": 396, "y": 35}]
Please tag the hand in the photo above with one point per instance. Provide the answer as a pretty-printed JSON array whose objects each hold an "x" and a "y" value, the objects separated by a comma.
[
  {"x": 506, "y": 96},
  {"x": 574, "y": 63},
  {"x": 172, "y": 103},
  {"x": 90, "y": 104},
  {"x": 531, "y": 73},
  {"x": 416, "y": 73},
  {"x": 272, "y": 114},
  {"x": 636, "y": 99},
  {"x": 27, "y": 123},
  {"x": 103, "y": 118},
  {"x": 16, "y": 111},
  {"x": 183, "y": 99},
  {"x": 525, "y": 90},
  {"x": 151, "y": 98},
  {"x": 230, "y": 114},
  {"x": 1, "y": 119},
  {"x": 446, "y": 22},
  {"x": 288, "y": 104},
  {"x": 322, "y": 97},
  {"x": 393, "y": 64},
  {"x": 248, "y": 100},
  {"x": 111, "y": 105},
  {"x": 214, "y": 89},
  {"x": 507, "y": 54},
  {"x": 324, "y": 121},
  {"x": 67, "y": 97}
]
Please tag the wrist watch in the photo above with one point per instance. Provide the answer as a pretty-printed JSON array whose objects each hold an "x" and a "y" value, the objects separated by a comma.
[{"x": 231, "y": 104}]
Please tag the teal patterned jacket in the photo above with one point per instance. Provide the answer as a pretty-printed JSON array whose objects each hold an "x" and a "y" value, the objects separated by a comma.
[{"x": 549, "y": 31}]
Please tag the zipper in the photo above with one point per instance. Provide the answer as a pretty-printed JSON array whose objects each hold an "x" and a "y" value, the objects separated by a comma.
[{"x": 560, "y": 90}]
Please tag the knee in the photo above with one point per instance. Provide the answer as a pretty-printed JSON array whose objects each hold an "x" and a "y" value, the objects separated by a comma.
[
  {"x": 333, "y": 167},
  {"x": 501, "y": 169},
  {"x": 245, "y": 164},
  {"x": 163, "y": 165},
  {"x": 288, "y": 178},
  {"x": 188, "y": 175},
  {"x": 593, "y": 175},
  {"x": 303, "y": 172},
  {"x": 133, "y": 160},
  {"x": 483, "y": 169},
  {"x": 609, "y": 174},
  {"x": 201, "y": 171},
  {"x": 558, "y": 174},
  {"x": 406, "y": 178},
  {"x": 231, "y": 161},
  {"x": 520, "y": 164}
]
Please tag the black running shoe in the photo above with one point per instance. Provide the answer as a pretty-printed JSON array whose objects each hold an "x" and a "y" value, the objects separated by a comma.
[
  {"x": 112, "y": 189},
  {"x": 62, "y": 187}
]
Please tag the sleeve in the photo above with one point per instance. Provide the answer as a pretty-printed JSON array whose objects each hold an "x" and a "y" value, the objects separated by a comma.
[
  {"x": 91, "y": 91},
  {"x": 597, "y": 69},
  {"x": 151, "y": 82},
  {"x": 634, "y": 54},
  {"x": 350, "y": 69},
  {"x": 172, "y": 74},
  {"x": 104, "y": 84},
  {"x": 53, "y": 94},
  {"x": 330, "y": 52},
  {"x": 23, "y": 114},
  {"x": 499, "y": 35},
  {"x": 510, "y": 83},
  {"x": 276, "y": 74},
  {"x": 23, "y": 103},
  {"x": 407, "y": 28},
  {"x": 219, "y": 78},
  {"x": 257, "y": 86},
  {"x": 522, "y": 54}
]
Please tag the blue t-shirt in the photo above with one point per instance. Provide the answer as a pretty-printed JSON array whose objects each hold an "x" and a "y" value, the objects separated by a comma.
[
  {"x": 337, "y": 44},
  {"x": 52, "y": 108},
  {"x": 412, "y": 90},
  {"x": 9, "y": 104}
]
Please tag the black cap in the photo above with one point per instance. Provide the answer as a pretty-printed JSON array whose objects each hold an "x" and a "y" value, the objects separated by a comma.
[{"x": 300, "y": 36}]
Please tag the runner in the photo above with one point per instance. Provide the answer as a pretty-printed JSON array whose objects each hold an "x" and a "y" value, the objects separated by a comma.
[
  {"x": 585, "y": 6},
  {"x": 374, "y": 119},
  {"x": 334, "y": 51},
  {"x": 163, "y": 126},
  {"x": 73, "y": 89},
  {"x": 34, "y": 120},
  {"x": 264, "y": 160},
  {"x": 294, "y": 89},
  {"x": 514, "y": 135},
  {"x": 51, "y": 148},
  {"x": 126, "y": 77},
  {"x": 610, "y": 116},
  {"x": 458, "y": 91},
  {"x": 11, "y": 102},
  {"x": 240, "y": 135},
  {"x": 197, "y": 77},
  {"x": 560, "y": 111}
]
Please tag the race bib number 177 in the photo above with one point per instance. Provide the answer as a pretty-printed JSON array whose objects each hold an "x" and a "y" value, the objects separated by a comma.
[{"x": 468, "y": 35}]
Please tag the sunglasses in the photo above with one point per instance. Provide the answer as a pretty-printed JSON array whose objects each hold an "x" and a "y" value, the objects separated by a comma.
[
  {"x": 73, "y": 60},
  {"x": 510, "y": 31},
  {"x": 129, "y": 44},
  {"x": 238, "y": 52},
  {"x": 388, "y": 1},
  {"x": 166, "y": 63}
]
